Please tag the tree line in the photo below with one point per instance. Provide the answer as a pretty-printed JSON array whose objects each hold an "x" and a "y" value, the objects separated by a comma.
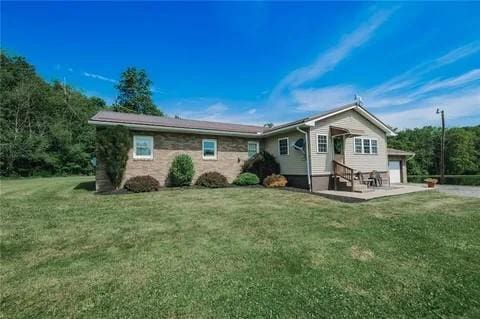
[
  {"x": 462, "y": 149},
  {"x": 44, "y": 129}
]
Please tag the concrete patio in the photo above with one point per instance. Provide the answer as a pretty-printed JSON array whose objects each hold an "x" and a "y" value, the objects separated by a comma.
[{"x": 377, "y": 192}]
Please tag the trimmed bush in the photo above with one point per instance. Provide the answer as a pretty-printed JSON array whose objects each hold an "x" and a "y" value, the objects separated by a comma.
[
  {"x": 275, "y": 181},
  {"x": 246, "y": 179},
  {"x": 182, "y": 171},
  {"x": 212, "y": 180},
  {"x": 140, "y": 184},
  {"x": 113, "y": 144},
  {"x": 262, "y": 164}
]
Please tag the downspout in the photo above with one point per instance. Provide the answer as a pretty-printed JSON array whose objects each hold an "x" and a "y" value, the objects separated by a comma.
[{"x": 307, "y": 155}]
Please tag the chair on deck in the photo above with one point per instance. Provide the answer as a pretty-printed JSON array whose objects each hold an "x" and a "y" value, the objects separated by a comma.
[
  {"x": 375, "y": 178},
  {"x": 361, "y": 180}
]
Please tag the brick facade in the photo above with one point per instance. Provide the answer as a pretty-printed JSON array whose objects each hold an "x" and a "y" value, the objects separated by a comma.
[{"x": 231, "y": 153}]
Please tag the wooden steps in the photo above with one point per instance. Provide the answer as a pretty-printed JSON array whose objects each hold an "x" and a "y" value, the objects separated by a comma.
[{"x": 344, "y": 179}]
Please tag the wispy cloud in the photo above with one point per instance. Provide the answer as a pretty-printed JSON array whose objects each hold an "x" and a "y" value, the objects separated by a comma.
[
  {"x": 466, "y": 78},
  {"x": 457, "y": 105},
  {"x": 412, "y": 76},
  {"x": 325, "y": 97},
  {"x": 99, "y": 77},
  {"x": 217, "y": 108},
  {"x": 390, "y": 98},
  {"x": 412, "y": 90},
  {"x": 328, "y": 60},
  {"x": 459, "y": 53}
]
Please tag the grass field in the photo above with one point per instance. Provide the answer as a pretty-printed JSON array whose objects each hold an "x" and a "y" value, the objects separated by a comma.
[{"x": 234, "y": 252}]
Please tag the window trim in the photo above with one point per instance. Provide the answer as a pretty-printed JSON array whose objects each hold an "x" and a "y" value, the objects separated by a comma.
[
  {"x": 144, "y": 157},
  {"x": 288, "y": 148},
  {"x": 326, "y": 137},
  {"x": 209, "y": 158},
  {"x": 371, "y": 148},
  {"x": 361, "y": 145},
  {"x": 370, "y": 145},
  {"x": 258, "y": 147}
]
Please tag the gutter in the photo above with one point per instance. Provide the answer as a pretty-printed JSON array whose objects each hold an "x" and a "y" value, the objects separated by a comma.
[{"x": 307, "y": 154}]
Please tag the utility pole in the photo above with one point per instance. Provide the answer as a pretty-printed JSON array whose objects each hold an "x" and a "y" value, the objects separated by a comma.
[{"x": 442, "y": 148}]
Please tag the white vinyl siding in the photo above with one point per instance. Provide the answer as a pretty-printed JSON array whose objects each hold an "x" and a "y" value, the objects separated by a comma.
[
  {"x": 322, "y": 143},
  {"x": 293, "y": 164},
  {"x": 142, "y": 147},
  {"x": 283, "y": 146},
  {"x": 321, "y": 163},
  {"x": 252, "y": 148},
  {"x": 209, "y": 149}
]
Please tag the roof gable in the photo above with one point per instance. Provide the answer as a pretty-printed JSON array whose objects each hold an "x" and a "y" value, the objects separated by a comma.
[{"x": 359, "y": 109}]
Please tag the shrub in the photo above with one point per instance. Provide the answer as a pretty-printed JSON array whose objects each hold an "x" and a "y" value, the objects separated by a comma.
[
  {"x": 275, "y": 181},
  {"x": 262, "y": 164},
  {"x": 212, "y": 180},
  {"x": 113, "y": 144},
  {"x": 246, "y": 179},
  {"x": 182, "y": 171},
  {"x": 140, "y": 184}
]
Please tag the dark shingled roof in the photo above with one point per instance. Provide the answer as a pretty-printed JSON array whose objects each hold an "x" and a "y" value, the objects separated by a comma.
[
  {"x": 130, "y": 118},
  {"x": 392, "y": 151},
  {"x": 168, "y": 122}
]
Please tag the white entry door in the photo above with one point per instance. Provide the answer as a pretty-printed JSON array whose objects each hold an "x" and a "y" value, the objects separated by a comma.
[{"x": 394, "y": 168}]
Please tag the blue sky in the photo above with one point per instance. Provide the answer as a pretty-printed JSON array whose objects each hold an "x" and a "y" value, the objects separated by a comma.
[{"x": 263, "y": 62}]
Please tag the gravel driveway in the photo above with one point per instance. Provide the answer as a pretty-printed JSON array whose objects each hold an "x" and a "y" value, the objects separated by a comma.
[{"x": 468, "y": 191}]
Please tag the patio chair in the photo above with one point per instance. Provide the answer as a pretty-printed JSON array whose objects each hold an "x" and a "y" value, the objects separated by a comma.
[
  {"x": 376, "y": 178},
  {"x": 379, "y": 180},
  {"x": 364, "y": 181}
]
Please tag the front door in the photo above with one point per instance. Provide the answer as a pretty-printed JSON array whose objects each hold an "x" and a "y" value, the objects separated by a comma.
[{"x": 338, "y": 149}]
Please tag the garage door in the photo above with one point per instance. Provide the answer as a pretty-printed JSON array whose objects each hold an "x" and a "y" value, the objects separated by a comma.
[{"x": 394, "y": 168}]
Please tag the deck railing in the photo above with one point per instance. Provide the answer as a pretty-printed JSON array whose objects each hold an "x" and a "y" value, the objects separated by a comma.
[{"x": 343, "y": 171}]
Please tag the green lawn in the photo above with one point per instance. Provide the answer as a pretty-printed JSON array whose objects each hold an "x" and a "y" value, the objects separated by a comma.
[{"x": 234, "y": 252}]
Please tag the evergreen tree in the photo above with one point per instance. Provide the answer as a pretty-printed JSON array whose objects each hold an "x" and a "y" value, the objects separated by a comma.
[{"x": 135, "y": 94}]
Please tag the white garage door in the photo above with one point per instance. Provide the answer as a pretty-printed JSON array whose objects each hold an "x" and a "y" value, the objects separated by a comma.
[{"x": 394, "y": 168}]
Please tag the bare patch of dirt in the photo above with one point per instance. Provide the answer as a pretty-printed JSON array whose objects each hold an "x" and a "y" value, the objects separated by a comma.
[{"x": 361, "y": 254}]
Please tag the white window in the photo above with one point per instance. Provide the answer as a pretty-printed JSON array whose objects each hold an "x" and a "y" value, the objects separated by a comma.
[
  {"x": 283, "y": 146},
  {"x": 252, "y": 148},
  {"x": 209, "y": 149},
  {"x": 358, "y": 145},
  {"x": 142, "y": 147},
  {"x": 365, "y": 146},
  {"x": 322, "y": 143},
  {"x": 374, "y": 146}
]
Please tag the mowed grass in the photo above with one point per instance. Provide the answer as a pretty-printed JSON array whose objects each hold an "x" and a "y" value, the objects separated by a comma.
[{"x": 237, "y": 252}]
